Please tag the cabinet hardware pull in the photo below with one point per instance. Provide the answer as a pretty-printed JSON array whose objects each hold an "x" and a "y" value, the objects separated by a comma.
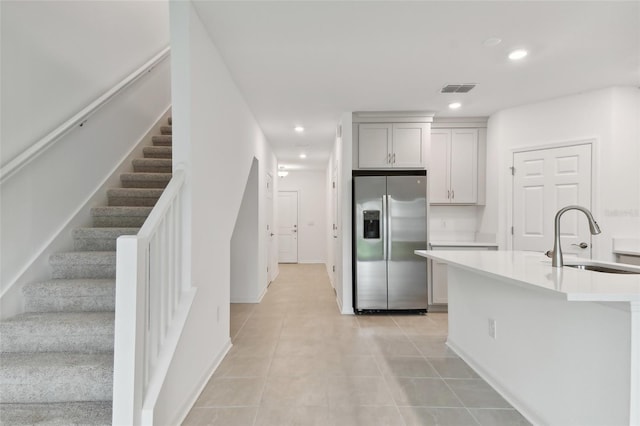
[
  {"x": 394, "y": 158},
  {"x": 452, "y": 194},
  {"x": 448, "y": 194},
  {"x": 389, "y": 159}
]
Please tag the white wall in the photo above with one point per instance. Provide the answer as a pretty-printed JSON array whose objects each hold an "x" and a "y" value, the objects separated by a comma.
[
  {"x": 558, "y": 362},
  {"x": 216, "y": 137},
  {"x": 343, "y": 159},
  {"x": 245, "y": 258},
  {"x": 312, "y": 219},
  {"x": 611, "y": 117},
  {"x": 49, "y": 72},
  {"x": 43, "y": 201},
  {"x": 453, "y": 223}
]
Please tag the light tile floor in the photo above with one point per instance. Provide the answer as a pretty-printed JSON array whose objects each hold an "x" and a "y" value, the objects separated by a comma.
[{"x": 296, "y": 361}]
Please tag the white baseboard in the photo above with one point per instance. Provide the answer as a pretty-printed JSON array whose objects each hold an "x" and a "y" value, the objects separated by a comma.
[
  {"x": 183, "y": 412},
  {"x": 487, "y": 377}
]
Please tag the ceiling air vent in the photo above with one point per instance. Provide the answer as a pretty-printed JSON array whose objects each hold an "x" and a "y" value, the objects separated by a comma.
[{"x": 457, "y": 88}]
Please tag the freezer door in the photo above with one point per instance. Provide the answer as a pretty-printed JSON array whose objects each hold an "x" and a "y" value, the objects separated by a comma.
[
  {"x": 407, "y": 231},
  {"x": 369, "y": 237}
]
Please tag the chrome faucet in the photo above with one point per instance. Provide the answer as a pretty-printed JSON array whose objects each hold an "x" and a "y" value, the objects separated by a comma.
[{"x": 556, "y": 254}]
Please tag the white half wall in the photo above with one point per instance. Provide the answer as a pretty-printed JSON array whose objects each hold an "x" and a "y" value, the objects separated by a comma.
[
  {"x": 215, "y": 138},
  {"x": 611, "y": 117},
  {"x": 311, "y": 188},
  {"x": 59, "y": 56}
]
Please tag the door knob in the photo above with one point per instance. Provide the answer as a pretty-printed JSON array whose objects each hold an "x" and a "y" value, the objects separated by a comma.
[
  {"x": 582, "y": 245},
  {"x": 295, "y": 230},
  {"x": 272, "y": 234}
]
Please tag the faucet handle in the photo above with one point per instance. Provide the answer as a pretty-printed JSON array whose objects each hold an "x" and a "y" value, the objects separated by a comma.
[{"x": 549, "y": 253}]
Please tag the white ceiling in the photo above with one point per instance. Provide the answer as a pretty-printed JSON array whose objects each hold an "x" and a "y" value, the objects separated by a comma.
[{"x": 307, "y": 62}]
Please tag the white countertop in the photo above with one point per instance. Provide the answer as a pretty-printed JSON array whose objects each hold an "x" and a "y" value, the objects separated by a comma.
[
  {"x": 534, "y": 270},
  {"x": 461, "y": 244}
]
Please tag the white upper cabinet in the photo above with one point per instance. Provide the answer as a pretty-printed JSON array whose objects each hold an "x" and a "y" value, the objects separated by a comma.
[
  {"x": 392, "y": 145},
  {"x": 374, "y": 149},
  {"x": 454, "y": 166},
  {"x": 439, "y": 163}
]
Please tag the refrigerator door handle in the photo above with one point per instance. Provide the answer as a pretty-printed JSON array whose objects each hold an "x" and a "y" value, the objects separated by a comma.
[
  {"x": 387, "y": 234},
  {"x": 386, "y": 202},
  {"x": 384, "y": 227}
]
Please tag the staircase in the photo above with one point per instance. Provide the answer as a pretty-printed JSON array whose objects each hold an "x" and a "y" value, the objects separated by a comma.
[{"x": 56, "y": 359}]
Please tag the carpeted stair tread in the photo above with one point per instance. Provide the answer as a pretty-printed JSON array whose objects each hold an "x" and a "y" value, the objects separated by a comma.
[
  {"x": 45, "y": 377},
  {"x": 157, "y": 165},
  {"x": 99, "y": 239},
  {"x": 98, "y": 413},
  {"x": 70, "y": 295},
  {"x": 145, "y": 180},
  {"x": 162, "y": 140},
  {"x": 83, "y": 264},
  {"x": 134, "y": 196},
  {"x": 86, "y": 332},
  {"x": 56, "y": 359},
  {"x": 157, "y": 151},
  {"x": 119, "y": 216}
]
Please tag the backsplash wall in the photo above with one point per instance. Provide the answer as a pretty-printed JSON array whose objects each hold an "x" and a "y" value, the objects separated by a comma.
[{"x": 453, "y": 223}]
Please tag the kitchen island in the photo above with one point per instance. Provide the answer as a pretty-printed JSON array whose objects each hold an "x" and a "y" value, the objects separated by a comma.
[{"x": 562, "y": 345}]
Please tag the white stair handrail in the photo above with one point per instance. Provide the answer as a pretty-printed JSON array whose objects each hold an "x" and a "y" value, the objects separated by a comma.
[
  {"x": 152, "y": 304},
  {"x": 78, "y": 119}
]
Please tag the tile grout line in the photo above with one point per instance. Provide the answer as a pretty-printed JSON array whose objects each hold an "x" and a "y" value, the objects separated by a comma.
[
  {"x": 384, "y": 378},
  {"x": 277, "y": 338},
  {"x": 437, "y": 372}
]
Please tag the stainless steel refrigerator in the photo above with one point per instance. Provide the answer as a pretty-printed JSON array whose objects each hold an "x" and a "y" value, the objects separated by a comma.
[{"x": 389, "y": 223}]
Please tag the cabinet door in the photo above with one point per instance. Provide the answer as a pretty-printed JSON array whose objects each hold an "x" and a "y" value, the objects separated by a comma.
[
  {"x": 438, "y": 173},
  {"x": 464, "y": 166},
  {"x": 439, "y": 283},
  {"x": 408, "y": 145},
  {"x": 374, "y": 145}
]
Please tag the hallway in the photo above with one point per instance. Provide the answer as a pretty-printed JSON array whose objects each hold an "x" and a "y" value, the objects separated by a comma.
[{"x": 296, "y": 361}]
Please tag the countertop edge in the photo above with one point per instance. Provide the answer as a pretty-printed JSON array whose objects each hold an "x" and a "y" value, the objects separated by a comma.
[{"x": 577, "y": 296}]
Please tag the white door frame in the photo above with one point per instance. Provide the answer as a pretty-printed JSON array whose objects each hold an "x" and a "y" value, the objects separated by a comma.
[
  {"x": 593, "y": 141},
  {"x": 271, "y": 232},
  {"x": 334, "y": 223},
  {"x": 297, "y": 230}
]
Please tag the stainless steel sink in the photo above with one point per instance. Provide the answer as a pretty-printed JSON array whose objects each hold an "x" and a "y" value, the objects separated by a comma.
[{"x": 609, "y": 268}]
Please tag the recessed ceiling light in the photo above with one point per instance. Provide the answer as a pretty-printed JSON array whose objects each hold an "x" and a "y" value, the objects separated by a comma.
[
  {"x": 493, "y": 41},
  {"x": 455, "y": 105},
  {"x": 303, "y": 155},
  {"x": 299, "y": 129},
  {"x": 283, "y": 173},
  {"x": 518, "y": 54}
]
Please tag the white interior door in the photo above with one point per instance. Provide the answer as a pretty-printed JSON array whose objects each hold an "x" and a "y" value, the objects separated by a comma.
[
  {"x": 270, "y": 229},
  {"x": 287, "y": 226},
  {"x": 545, "y": 181}
]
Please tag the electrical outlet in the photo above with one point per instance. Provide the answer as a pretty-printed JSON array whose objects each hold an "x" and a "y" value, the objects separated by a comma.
[{"x": 492, "y": 328}]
